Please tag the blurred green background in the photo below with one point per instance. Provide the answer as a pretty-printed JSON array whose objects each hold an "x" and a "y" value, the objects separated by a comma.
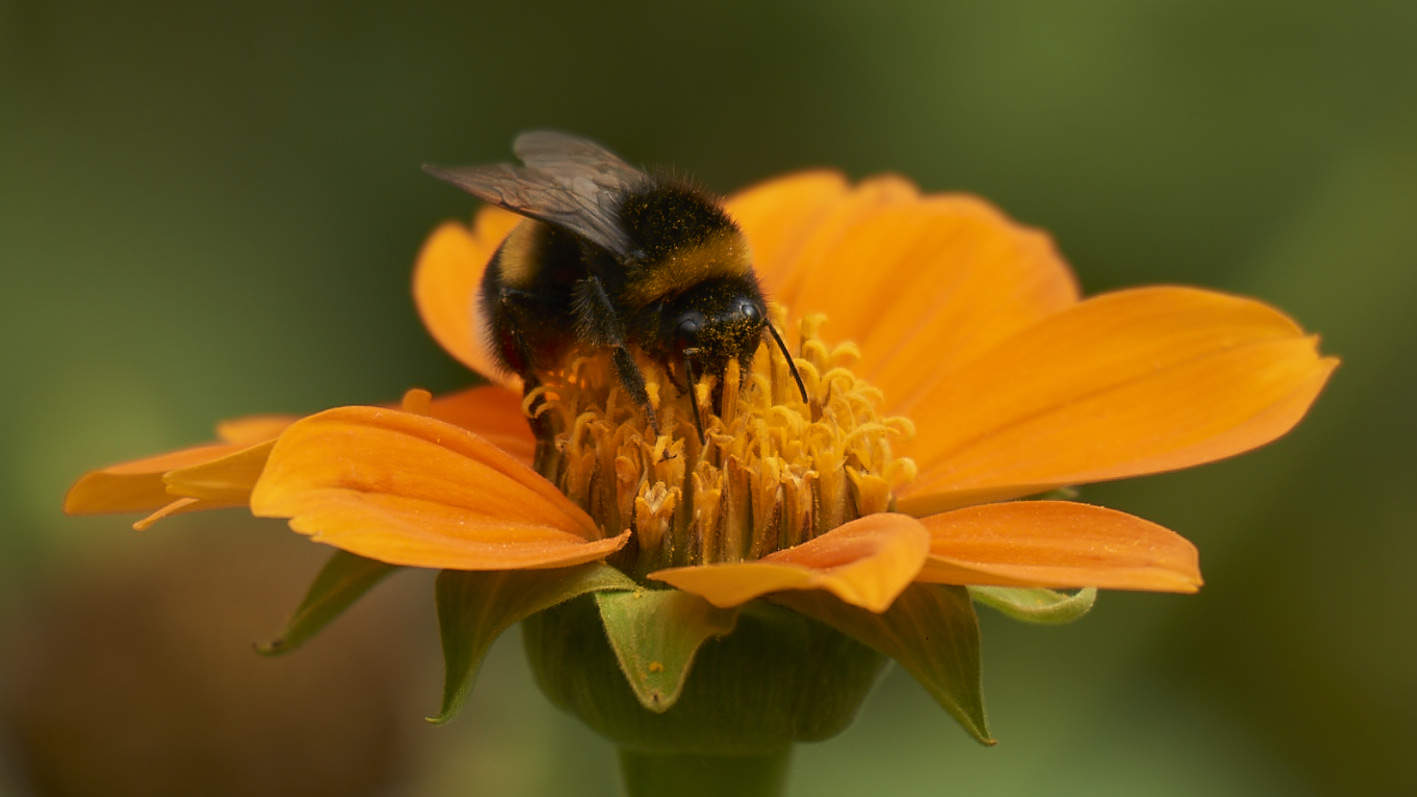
[{"x": 208, "y": 211}]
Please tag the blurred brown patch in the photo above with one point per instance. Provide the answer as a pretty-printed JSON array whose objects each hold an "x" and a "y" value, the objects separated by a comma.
[{"x": 137, "y": 676}]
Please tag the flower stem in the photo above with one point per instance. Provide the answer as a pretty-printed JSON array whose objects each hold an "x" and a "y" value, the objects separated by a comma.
[{"x": 653, "y": 774}]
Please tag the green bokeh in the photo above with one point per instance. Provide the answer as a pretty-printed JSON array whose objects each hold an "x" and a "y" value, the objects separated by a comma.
[{"x": 207, "y": 211}]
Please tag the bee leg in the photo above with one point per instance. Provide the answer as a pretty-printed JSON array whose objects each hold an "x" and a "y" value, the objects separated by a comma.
[
  {"x": 543, "y": 424},
  {"x": 694, "y": 399},
  {"x": 513, "y": 311},
  {"x": 634, "y": 381},
  {"x": 597, "y": 323}
]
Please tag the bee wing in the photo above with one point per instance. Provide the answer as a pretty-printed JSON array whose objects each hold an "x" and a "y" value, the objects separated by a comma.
[
  {"x": 572, "y": 156},
  {"x": 568, "y": 182}
]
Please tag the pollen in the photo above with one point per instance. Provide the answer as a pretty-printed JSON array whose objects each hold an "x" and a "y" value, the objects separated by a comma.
[{"x": 771, "y": 471}]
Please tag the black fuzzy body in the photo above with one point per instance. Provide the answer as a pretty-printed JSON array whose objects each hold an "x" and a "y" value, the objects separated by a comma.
[
  {"x": 610, "y": 260},
  {"x": 541, "y": 313}
]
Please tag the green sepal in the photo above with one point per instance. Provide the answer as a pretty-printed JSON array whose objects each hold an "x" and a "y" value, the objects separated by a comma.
[
  {"x": 779, "y": 678},
  {"x": 343, "y": 580},
  {"x": 475, "y": 607},
  {"x": 931, "y": 630},
  {"x": 655, "y": 634},
  {"x": 1043, "y": 606}
]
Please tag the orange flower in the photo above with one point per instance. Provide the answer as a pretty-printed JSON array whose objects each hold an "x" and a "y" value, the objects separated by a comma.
[
  {"x": 968, "y": 324},
  {"x": 966, "y": 372}
]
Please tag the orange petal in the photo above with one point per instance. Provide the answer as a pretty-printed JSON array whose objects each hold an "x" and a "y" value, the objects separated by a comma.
[
  {"x": 925, "y": 286},
  {"x": 1123, "y": 384},
  {"x": 778, "y": 216},
  {"x": 139, "y": 486},
  {"x": 252, "y": 429},
  {"x": 182, "y": 506},
  {"x": 493, "y": 413},
  {"x": 1057, "y": 544},
  {"x": 222, "y": 475},
  {"x": 445, "y": 284},
  {"x": 136, "y": 486},
  {"x": 412, "y": 490},
  {"x": 225, "y": 481},
  {"x": 814, "y": 211},
  {"x": 866, "y": 562}
]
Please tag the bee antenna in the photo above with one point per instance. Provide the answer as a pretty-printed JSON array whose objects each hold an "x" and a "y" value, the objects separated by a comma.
[{"x": 791, "y": 363}]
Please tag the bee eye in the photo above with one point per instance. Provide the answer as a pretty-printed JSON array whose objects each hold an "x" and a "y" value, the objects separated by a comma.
[
  {"x": 749, "y": 311},
  {"x": 688, "y": 331}
]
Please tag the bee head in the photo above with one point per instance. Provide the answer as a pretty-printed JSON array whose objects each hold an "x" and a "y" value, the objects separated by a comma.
[{"x": 714, "y": 322}]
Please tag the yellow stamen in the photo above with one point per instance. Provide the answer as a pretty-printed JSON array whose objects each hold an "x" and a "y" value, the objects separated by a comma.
[
  {"x": 770, "y": 473},
  {"x": 418, "y": 401}
]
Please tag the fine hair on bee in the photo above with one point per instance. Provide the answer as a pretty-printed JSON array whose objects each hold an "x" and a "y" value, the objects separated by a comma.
[{"x": 610, "y": 258}]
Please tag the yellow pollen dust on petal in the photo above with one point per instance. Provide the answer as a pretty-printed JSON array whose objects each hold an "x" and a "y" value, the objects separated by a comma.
[{"x": 770, "y": 472}]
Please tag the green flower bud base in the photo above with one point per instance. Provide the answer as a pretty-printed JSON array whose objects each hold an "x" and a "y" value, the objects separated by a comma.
[{"x": 778, "y": 678}]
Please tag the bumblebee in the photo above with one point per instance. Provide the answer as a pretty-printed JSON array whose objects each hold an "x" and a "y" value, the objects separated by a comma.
[{"x": 610, "y": 259}]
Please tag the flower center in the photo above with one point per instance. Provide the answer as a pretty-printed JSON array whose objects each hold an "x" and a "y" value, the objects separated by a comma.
[{"x": 771, "y": 472}]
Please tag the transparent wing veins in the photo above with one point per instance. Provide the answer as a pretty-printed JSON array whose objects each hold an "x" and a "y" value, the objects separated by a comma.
[{"x": 569, "y": 182}]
